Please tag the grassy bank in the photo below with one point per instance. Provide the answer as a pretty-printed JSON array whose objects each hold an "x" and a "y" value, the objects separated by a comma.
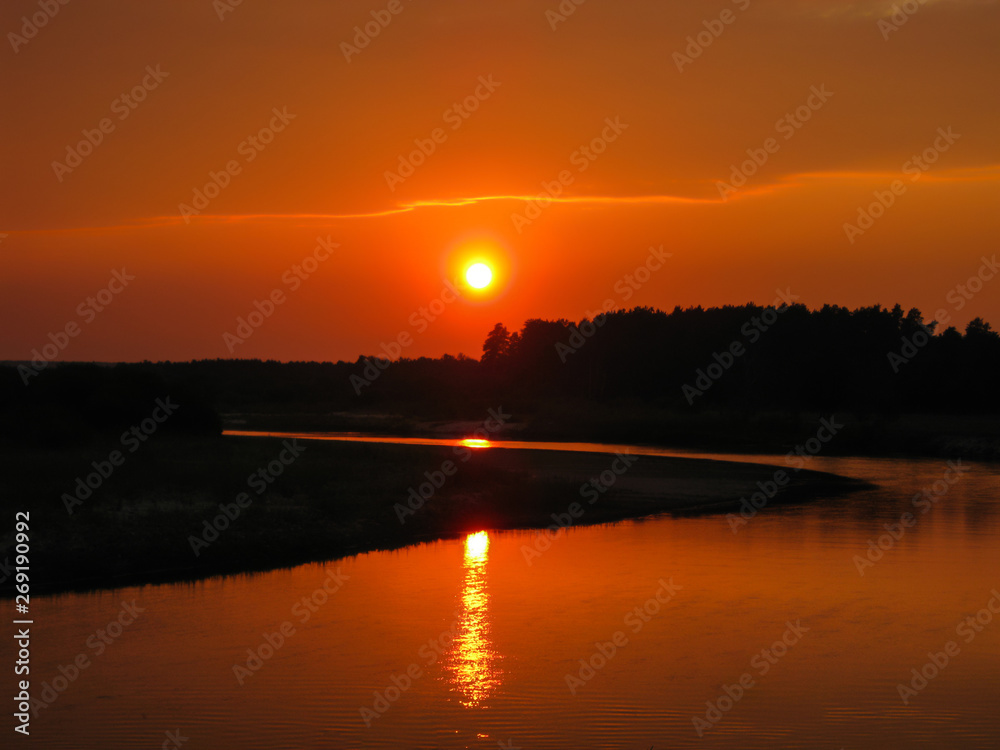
[{"x": 332, "y": 499}]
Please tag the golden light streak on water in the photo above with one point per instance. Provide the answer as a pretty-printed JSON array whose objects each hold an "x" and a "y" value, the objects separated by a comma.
[
  {"x": 473, "y": 661},
  {"x": 476, "y": 443}
]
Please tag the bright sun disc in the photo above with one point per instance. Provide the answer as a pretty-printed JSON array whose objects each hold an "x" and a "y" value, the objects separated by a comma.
[{"x": 479, "y": 275}]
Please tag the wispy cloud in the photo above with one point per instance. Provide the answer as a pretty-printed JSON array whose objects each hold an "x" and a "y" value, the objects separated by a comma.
[
  {"x": 986, "y": 173},
  {"x": 410, "y": 206},
  {"x": 875, "y": 9}
]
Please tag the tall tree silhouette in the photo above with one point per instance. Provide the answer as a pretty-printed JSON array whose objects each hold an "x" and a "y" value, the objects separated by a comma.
[{"x": 497, "y": 345}]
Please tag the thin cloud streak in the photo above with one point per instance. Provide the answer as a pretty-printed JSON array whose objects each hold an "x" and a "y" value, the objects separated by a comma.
[{"x": 987, "y": 173}]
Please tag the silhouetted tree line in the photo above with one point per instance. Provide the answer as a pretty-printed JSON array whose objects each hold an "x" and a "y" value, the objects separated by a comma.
[
  {"x": 70, "y": 403},
  {"x": 749, "y": 357},
  {"x": 872, "y": 359}
]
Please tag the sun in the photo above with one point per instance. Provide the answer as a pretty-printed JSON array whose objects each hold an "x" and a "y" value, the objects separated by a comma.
[{"x": 479, "y": 275}]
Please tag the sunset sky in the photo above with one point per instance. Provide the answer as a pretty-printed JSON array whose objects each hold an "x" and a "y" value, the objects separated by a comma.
[{"x": 509, "y": 104}]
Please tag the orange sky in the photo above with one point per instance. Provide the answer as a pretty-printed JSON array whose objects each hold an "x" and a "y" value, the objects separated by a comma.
[{"x": 543, "y": 94}]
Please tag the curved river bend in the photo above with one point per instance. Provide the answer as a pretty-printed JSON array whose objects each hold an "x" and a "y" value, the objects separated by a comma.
[{"x": 767, "y": 637}]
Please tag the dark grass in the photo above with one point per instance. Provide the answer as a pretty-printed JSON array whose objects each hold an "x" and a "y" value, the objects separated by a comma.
[{"x": 335, "y": 500}]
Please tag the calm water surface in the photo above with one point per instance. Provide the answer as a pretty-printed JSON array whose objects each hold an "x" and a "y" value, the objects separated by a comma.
[{"x": 483, "y": 642}]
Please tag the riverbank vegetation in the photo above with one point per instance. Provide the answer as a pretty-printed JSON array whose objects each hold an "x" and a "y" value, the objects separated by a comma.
[{"x": 185, "y": 508}]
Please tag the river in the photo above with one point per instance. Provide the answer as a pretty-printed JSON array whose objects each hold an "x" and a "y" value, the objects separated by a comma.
[{"x": 786, "y": 631}]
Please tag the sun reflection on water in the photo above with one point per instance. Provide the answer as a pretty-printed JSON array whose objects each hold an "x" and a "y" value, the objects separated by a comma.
[
  {"x": 473, "y": 660},
  {"x": 476, "y": 443}
]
